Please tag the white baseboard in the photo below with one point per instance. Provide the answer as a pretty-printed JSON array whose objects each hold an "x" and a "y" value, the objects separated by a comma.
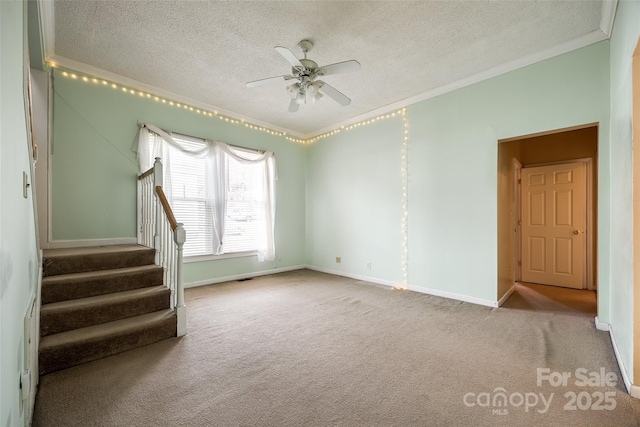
[
  {"x": 633, "y": 390},
  {"x": 413, "y": 288},
  {"x": 601, "y": 326},
  {"x": 214, "y": 280},
  {"x": 84, "y": 243},
  {"x": 506, "y": 296},
  {"x": 623, "y": 371},
  {"x": 452, "y": 295},
  {"x": 353, "y": 276}
]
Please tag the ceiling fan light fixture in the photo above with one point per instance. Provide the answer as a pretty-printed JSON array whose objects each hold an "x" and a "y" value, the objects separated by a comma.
[
  {"x": 315, "y": 98},
  {"x": 312, "y": 88},
  {"x": 293, "y": 90},
  {"x": 300, "y": 98}
]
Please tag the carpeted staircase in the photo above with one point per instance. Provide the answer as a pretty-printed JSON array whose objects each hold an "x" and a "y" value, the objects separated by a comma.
[{"x": 100, "y": 301}]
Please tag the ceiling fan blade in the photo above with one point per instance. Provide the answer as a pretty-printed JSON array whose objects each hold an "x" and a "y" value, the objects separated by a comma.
[
  {"x": 333, "y": 93},
  {"x": 293, "y": 106},
  {"x": 340, "y": 67},
  {"x": 289, "y": 56},
  {"x": 268, "y": 80}
]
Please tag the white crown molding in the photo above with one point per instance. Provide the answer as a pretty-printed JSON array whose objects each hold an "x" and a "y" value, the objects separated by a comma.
[
  {"x": 577, "y": 43},
  {"x": 90, "y": 70},
  {"x": 608, "y": 16},
  {"x": 48, "y": 27}
]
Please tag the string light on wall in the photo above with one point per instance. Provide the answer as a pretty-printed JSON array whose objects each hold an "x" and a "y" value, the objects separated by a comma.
[
  {"x": 404, "y": 200},
  {"x": 213, "y": 114},
  {"x": 142, "y": 94}
]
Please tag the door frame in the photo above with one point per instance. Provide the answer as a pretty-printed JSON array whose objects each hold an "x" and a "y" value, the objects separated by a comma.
[
  {"x": 517, "y": 219},
  {"x": 588, "y": 282}
]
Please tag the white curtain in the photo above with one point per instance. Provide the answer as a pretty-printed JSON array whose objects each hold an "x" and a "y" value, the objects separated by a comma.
[{"x": 214, "y": 152}]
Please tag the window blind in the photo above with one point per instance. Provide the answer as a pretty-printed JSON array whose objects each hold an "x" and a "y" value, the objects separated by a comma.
[{"x": 244, "y": 220}]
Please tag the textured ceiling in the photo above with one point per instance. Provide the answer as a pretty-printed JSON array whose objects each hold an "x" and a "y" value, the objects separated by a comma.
[{"x": 208, "y": 50}]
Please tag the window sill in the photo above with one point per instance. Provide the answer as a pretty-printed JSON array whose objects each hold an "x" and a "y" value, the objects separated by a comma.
[{"x": 200, "y": 258}]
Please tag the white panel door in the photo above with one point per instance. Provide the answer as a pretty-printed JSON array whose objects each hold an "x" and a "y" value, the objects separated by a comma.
[{"x": 554, "y": 217}]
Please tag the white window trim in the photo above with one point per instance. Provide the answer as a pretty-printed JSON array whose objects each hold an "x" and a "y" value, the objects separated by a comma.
[{"x": 211, "y": 257}]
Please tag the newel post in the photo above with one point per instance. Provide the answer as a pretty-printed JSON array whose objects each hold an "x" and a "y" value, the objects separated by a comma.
[
  {"x": 157, "y": 180},
  {"x": 180, "y": 236}
]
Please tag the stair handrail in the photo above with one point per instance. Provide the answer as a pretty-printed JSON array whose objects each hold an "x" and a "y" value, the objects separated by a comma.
[{"x": 155, "y": 218}]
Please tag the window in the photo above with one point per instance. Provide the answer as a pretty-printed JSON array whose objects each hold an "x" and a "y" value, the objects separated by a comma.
[
  {"x": 244, "y": 217},
  {"x": 189, "y": 196},
  {"x": 189, "y": 182}
]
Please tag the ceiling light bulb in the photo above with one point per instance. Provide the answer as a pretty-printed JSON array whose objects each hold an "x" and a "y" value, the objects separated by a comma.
[
  {"x": 300, "y": 98},
  {"x": 312, "y": 89},
  {"x": 293, "y": 90}
]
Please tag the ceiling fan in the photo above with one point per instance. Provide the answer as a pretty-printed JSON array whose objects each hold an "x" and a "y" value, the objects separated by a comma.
[{"x": 305, "y": 71}]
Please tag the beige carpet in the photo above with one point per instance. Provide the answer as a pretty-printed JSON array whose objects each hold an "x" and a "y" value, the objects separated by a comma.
[{"x": 310, "y": 349}]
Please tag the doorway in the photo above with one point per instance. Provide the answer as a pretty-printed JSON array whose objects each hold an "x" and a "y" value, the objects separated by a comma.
[
  {"x": 547, "y": 150},
  {"x": 554, "y": 225}
]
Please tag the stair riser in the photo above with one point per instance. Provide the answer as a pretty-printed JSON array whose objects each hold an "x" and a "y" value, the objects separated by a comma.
[
  {"x": 96, "y": 262},
  {"x": 62, "y": 357},
  {"x": 75, "y": 289},
  {"x": 55, "y": 321}
]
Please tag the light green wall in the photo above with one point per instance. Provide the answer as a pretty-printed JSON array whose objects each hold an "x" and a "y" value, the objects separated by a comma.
[
  {"x": 452, "y": 176},
  {"x": 354, "y": 202},
  {"x": 93, "y": 178},
  {"x": 624, "y": 39},
  {"x": 18, "y": 253}
]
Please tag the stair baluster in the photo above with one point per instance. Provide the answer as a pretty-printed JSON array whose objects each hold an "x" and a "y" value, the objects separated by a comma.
[{"x": 159, "y": 229}]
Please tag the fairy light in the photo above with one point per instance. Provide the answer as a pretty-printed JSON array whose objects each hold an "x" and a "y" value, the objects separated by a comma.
[
  {"x": 214, "y": 113},
  {"x": 405, "y": 200}
]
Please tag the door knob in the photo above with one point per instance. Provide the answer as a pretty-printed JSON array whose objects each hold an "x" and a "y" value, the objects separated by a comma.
[{"x": 576, "y": 232}]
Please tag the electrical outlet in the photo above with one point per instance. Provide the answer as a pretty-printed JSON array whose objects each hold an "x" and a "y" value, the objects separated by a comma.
[
  {"x": 338, "y": 260},
  {"x": 368, "y": 265}
]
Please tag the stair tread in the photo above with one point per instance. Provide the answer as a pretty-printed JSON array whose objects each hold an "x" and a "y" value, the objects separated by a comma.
[
  {"x": 98, "y": 274},
  {"x": 102, "y": 299},
  {"x": 103, "y": 330},
  {"x": 91, "y": 250}
]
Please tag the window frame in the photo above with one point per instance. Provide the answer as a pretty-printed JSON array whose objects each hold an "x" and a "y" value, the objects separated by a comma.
[{"x": 211, "y": 256}]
